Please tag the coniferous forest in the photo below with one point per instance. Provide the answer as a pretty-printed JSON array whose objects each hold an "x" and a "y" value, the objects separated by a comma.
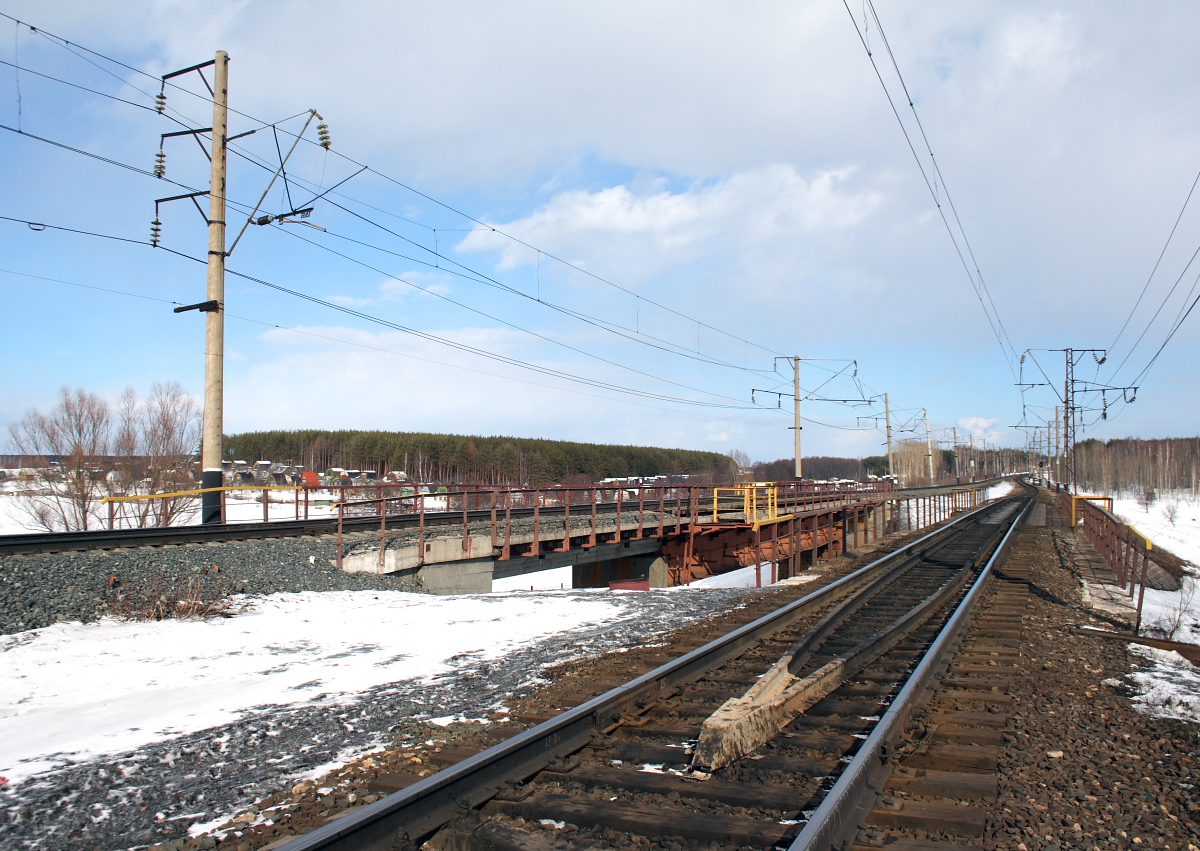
[{"x": 471, "y": 458}]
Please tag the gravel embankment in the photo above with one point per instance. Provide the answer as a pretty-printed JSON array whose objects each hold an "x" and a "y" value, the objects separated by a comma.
[
  {"x": 40, "y": 590},
  {"x": 1081, "y": 767}
]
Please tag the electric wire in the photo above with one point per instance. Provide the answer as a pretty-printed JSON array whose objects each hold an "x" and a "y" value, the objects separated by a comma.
[
  {"x": 382, "y": 272},
  {"x": 407, "y": 355},
  {"x": 938, "y": 171},
  {"x": 975, "y": 285},
  {"x": 483, "y": 225},
  {"x": 1161, "y": 254},
  {"x": 467, "y": 272},
  {"x": 404, "y": 186},
  {"x": 412, "y": 331}
]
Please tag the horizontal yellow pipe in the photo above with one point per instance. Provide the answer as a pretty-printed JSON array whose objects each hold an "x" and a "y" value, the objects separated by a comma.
[{"x": 201, "y": 490}]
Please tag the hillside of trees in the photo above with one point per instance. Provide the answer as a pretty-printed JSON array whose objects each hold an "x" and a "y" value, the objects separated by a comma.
[
  {"x": 1130, "y": 465},
  {"x": 815, "y": 467},
  {"x": 472, "y": 458}
]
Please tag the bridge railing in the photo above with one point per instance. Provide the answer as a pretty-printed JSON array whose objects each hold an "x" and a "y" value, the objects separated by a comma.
[
  {"x": 597, "y": 514},
  {"x": 1125, "y": 549}
]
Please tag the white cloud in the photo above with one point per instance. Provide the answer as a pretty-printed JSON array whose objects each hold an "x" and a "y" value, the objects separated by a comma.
[
  {"x": 981, "y": 427},
  {"x": 660, "y": 229}
]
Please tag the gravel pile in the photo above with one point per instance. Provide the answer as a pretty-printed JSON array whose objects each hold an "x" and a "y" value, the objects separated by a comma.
[{"x": 39, "y": 590}]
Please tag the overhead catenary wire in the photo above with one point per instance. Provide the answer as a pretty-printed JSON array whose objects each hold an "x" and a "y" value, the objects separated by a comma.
[
  {"x": 978, "y": 285},
  {"x": 700, "y": 323},
  {"x": 380, "y": 271},
  {"x": 381, "y": 349},
  {"x": 74, "y": 49},
  {"x": 1157, "y": 262},
  {"x": 467, "y": 273},
  {"x": 398, "y": 327}
]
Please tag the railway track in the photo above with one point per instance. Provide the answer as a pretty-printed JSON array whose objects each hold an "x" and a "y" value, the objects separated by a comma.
[
  {"x": 779, "y": 734},
  {"x": 156, "y": 536}
]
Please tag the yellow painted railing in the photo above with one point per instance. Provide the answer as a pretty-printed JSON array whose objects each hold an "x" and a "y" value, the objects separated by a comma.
[{"x": 757, "y": 502}]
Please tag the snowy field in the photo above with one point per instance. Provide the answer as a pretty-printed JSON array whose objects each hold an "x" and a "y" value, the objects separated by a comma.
[
  {"x": 100, "y": 721},
  {"x": 1167, "y": 685}
]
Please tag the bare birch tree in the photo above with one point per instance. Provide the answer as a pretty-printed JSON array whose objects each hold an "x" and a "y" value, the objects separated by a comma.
[
  {"x": 83, "y": 450},
  {"x": 68, "y": 448}
]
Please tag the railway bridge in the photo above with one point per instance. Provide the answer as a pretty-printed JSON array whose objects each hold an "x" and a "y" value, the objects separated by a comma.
[{"x": 635, "y": 537}]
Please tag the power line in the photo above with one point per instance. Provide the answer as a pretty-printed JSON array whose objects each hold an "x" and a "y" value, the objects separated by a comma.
[
  {"x": 398, "y": 327},
  {"x": 979, "y": 286},
  {"x": 468, "y": 273},
  {"x": 382, "y": 272},
  {"x": 70, "y": 45},
  {"x": 1163, "y": 304},
  {"x": 1161, "y": 254},
  {"x": 407, "y": 355}
]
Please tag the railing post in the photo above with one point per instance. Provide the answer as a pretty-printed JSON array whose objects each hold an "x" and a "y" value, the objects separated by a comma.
[
  {"x": 466, "y": 523},
  {"x": 620, "y": 493},
  {"x": 494, "y": 531},
  {"x": 597, "y": 495},
  {"x": 536, "y": 550},
  {"x": 566, "y": 501},
  {"x": 111, "y": 507},
  {"x": 341, "y": 511},
  {"x": 266, "y": 503},
  {"x": 420, "y": 526},
  {"x": 223, "y": 517},
  {"x": 506, "y": 552}
]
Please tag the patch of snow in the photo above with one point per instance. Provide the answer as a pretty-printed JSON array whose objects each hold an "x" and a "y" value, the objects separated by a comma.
[
  {"x": 554, "y": 579},
  {"x": 1169, "y": 687},
  {"x": 1002, "y": 489},
  {"x": 743, "y": 577},
  {"x": 72, "y": 691}
]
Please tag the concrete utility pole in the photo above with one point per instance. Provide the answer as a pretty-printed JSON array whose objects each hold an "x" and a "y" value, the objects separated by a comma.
[
  {"x": 887, "y": 411},
  {"x": 928, "y": 445},
  {"x": 1057, "y": 455},
  {"x": 1068, "y": 421},
  {"x": 214, "y": 327},
  {"x": 957, "y": 477},
  {"x": 796, "y": 379}
]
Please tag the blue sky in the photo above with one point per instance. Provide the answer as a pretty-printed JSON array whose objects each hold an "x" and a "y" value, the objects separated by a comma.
[{"x": 740, "y": 166}]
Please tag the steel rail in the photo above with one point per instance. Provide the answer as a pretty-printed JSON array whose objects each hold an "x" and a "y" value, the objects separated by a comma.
[
  {"x": 417, "y": 811},
  {"x": 838, "y": 818},
  {"x": 152, "y": 536}
]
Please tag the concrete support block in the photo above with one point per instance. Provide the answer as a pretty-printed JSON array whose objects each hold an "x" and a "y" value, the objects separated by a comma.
[{"x": 458, "y": 577}]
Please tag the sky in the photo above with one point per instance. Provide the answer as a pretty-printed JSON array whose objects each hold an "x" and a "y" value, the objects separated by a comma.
[{"x": 619, "y": 222}]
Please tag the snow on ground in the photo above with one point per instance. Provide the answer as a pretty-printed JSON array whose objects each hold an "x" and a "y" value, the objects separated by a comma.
[
  {"x": 743, "y": 577},
  {"x": 1166, "y": 684},
  {"x": 73, "y": 691},
  {"x": 554, "y": 579},
  {"x": 1181, "y": 537},
  {"x": 1002, "y": 489}
]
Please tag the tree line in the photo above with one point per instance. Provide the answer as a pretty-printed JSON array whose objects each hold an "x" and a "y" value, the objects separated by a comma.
[
  {"x": 473, "y": 459},
  {"x": 1132, "y": 465}
]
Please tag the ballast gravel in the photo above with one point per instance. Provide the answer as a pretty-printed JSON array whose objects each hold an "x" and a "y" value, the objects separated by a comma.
[{"x": 40, "y": 590}]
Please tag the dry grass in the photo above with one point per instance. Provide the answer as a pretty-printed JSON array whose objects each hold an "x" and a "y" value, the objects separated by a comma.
[{"x": 182, "y": 598}]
